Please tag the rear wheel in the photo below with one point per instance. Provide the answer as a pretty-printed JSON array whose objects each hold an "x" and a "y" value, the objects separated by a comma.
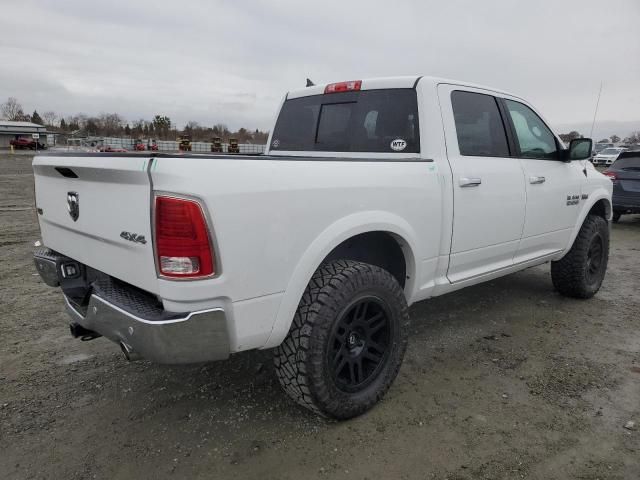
[
  {"x": 347, "y": 340},
  {"x": 580, "y": 272}
]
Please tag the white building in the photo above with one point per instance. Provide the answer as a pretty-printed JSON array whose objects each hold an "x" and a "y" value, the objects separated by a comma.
[{"x": 10, "y": 130}]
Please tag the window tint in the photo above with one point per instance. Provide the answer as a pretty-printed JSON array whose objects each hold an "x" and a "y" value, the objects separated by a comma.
[
  {"x": 533, "y": 136},
  {"x": 333, "y": 128},
  {"x": 631, "y": 161},
  {"x": 365, "y": 121},
  {"x": 296, "y": 126},
  {"x": 479, "y": 125}
]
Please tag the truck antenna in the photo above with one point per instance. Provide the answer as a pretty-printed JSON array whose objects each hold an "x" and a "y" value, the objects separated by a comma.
[{"x": 596, "y": 111}]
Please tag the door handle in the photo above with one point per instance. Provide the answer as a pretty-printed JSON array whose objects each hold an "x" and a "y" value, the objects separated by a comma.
[
  {"x": 469, "y": 182},
  {"x": 536, "y": 180}
]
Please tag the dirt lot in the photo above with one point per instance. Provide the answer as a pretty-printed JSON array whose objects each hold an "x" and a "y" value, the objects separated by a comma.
[{"x": 503, "y": 380}]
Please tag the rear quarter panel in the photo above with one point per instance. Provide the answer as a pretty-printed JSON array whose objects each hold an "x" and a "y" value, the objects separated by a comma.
[{"x": 274, "y": 220}]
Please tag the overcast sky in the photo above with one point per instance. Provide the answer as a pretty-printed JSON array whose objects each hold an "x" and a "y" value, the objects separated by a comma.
[{"x": 231, "y": 61}]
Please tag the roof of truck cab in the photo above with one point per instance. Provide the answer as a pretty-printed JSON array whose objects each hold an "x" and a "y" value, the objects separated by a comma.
[{"x": 407, "y": 81}]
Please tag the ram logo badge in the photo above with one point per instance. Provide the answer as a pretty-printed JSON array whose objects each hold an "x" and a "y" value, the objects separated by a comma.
[{"x": 133, "y": 237}]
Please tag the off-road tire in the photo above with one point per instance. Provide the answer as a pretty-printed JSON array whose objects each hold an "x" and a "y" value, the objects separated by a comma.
[
  {"x": 302, "y": 361},
  {"x": 572, "y": 275}
]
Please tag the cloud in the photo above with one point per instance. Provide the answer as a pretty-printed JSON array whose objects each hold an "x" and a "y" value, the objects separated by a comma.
[{"x": 231, "y": 61}]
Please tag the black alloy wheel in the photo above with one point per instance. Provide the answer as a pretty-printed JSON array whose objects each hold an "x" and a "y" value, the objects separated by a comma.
[{"x": 359, "y": 344}]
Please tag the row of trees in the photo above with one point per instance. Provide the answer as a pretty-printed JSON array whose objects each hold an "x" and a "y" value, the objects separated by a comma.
[
  {"x": 114, "y": 125},
  {"x": 161, "y": 127},
  {"x": 634, "y": 137}
]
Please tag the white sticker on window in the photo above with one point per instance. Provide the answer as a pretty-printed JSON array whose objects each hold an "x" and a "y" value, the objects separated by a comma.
[
  {"x": 398, "y": 145},
  {"x": 275, "y": 143}
]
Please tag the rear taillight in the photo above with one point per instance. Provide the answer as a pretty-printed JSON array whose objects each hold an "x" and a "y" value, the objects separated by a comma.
[
  {"x": 183, "y": 245},
  {"x": 351, "y": 86},
  {"x": 611, "y": 175}
]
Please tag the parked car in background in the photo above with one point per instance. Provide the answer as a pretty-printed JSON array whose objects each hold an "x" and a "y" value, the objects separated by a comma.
[
  {"x": 625, "y": 175},
  {"x": 25, "y": 142},
  {"x": 598, "y": 147},
  {"x": 608, "y": 155},
  {"x": 140, "y": 146},
  {"x": 112, "y": 148}
]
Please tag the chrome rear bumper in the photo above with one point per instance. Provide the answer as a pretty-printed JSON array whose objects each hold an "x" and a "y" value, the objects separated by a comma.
[
  {"x": 196, "y": 337},
  {"x": 141, "y": 328}
]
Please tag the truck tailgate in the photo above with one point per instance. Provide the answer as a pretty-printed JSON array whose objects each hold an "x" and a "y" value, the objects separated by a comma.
[{"x": 112, "y": 195}]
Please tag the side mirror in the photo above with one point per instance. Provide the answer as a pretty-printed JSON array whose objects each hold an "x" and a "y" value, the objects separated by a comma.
[{"x": 579, "y": 149}]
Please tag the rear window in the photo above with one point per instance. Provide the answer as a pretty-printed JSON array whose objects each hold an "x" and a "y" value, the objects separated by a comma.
[
  {"x": 365, "y": 121},
  {"x": 631, "y": 162}
]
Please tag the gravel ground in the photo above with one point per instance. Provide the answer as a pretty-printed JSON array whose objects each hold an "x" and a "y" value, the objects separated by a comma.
[{"x": 502, "y": 380}]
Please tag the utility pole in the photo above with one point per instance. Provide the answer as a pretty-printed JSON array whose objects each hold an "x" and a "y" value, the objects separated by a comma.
[{"x": 595, "y": 112}]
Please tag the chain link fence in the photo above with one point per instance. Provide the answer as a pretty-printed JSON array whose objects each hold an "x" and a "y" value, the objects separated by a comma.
[{"x": 163, "y": 145}]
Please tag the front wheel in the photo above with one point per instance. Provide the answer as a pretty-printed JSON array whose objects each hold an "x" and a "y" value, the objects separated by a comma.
[
  {"x": 580, "y": 272},
  {"x": 347, "y": 340}
]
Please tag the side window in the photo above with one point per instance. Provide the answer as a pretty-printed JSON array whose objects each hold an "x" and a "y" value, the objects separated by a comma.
[
  {"x": 533, "y": 136},
  {"x": 479, "y": 125}
]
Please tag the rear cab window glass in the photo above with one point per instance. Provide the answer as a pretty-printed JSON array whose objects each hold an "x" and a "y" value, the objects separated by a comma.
[
  {"x": 479, "y": 126},
  {"x": 365, "y": 121},
  {"x": 533, "y": 137}
]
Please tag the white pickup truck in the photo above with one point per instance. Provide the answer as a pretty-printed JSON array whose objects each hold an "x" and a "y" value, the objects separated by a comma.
[{"x": 371, "y": 195}]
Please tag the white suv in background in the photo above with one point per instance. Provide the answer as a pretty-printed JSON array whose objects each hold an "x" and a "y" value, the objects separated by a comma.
[{"x": 608, "y": 155}]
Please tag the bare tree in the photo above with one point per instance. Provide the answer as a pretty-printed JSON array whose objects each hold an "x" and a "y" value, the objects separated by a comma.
[
  {"x": 634, "y": 137},
  {"x": 614, "y": 138},
  {"x": 12, "y": 110},
  {"x": 50, "y": 118},
  {"x": 110, "y": 123},
  {"x": 567, "y": 137}
]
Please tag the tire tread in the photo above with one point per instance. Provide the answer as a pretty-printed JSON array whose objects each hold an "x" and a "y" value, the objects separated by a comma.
[
  {"x": 298, "y": 352},
  {"x": 569, "y": 273}
]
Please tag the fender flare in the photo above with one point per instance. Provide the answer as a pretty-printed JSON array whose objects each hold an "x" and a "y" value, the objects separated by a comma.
[
  {"x": 330, "y": 238},
  {"x": 595, "y": 197}
]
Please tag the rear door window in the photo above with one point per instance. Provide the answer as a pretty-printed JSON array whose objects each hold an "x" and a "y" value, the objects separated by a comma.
[
  {"x": 479, "y": 125},
  {"x": 366, "y": 121}
]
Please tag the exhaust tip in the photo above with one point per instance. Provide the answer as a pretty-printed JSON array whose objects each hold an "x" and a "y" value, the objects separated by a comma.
[{"x": 129, "y": 353}]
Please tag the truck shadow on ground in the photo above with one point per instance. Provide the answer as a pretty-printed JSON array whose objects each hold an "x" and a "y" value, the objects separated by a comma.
[{"x": 245, "y": 385}]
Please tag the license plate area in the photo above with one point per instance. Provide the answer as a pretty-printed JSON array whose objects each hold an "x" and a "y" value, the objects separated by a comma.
[{"x": 72, "y": 276}]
